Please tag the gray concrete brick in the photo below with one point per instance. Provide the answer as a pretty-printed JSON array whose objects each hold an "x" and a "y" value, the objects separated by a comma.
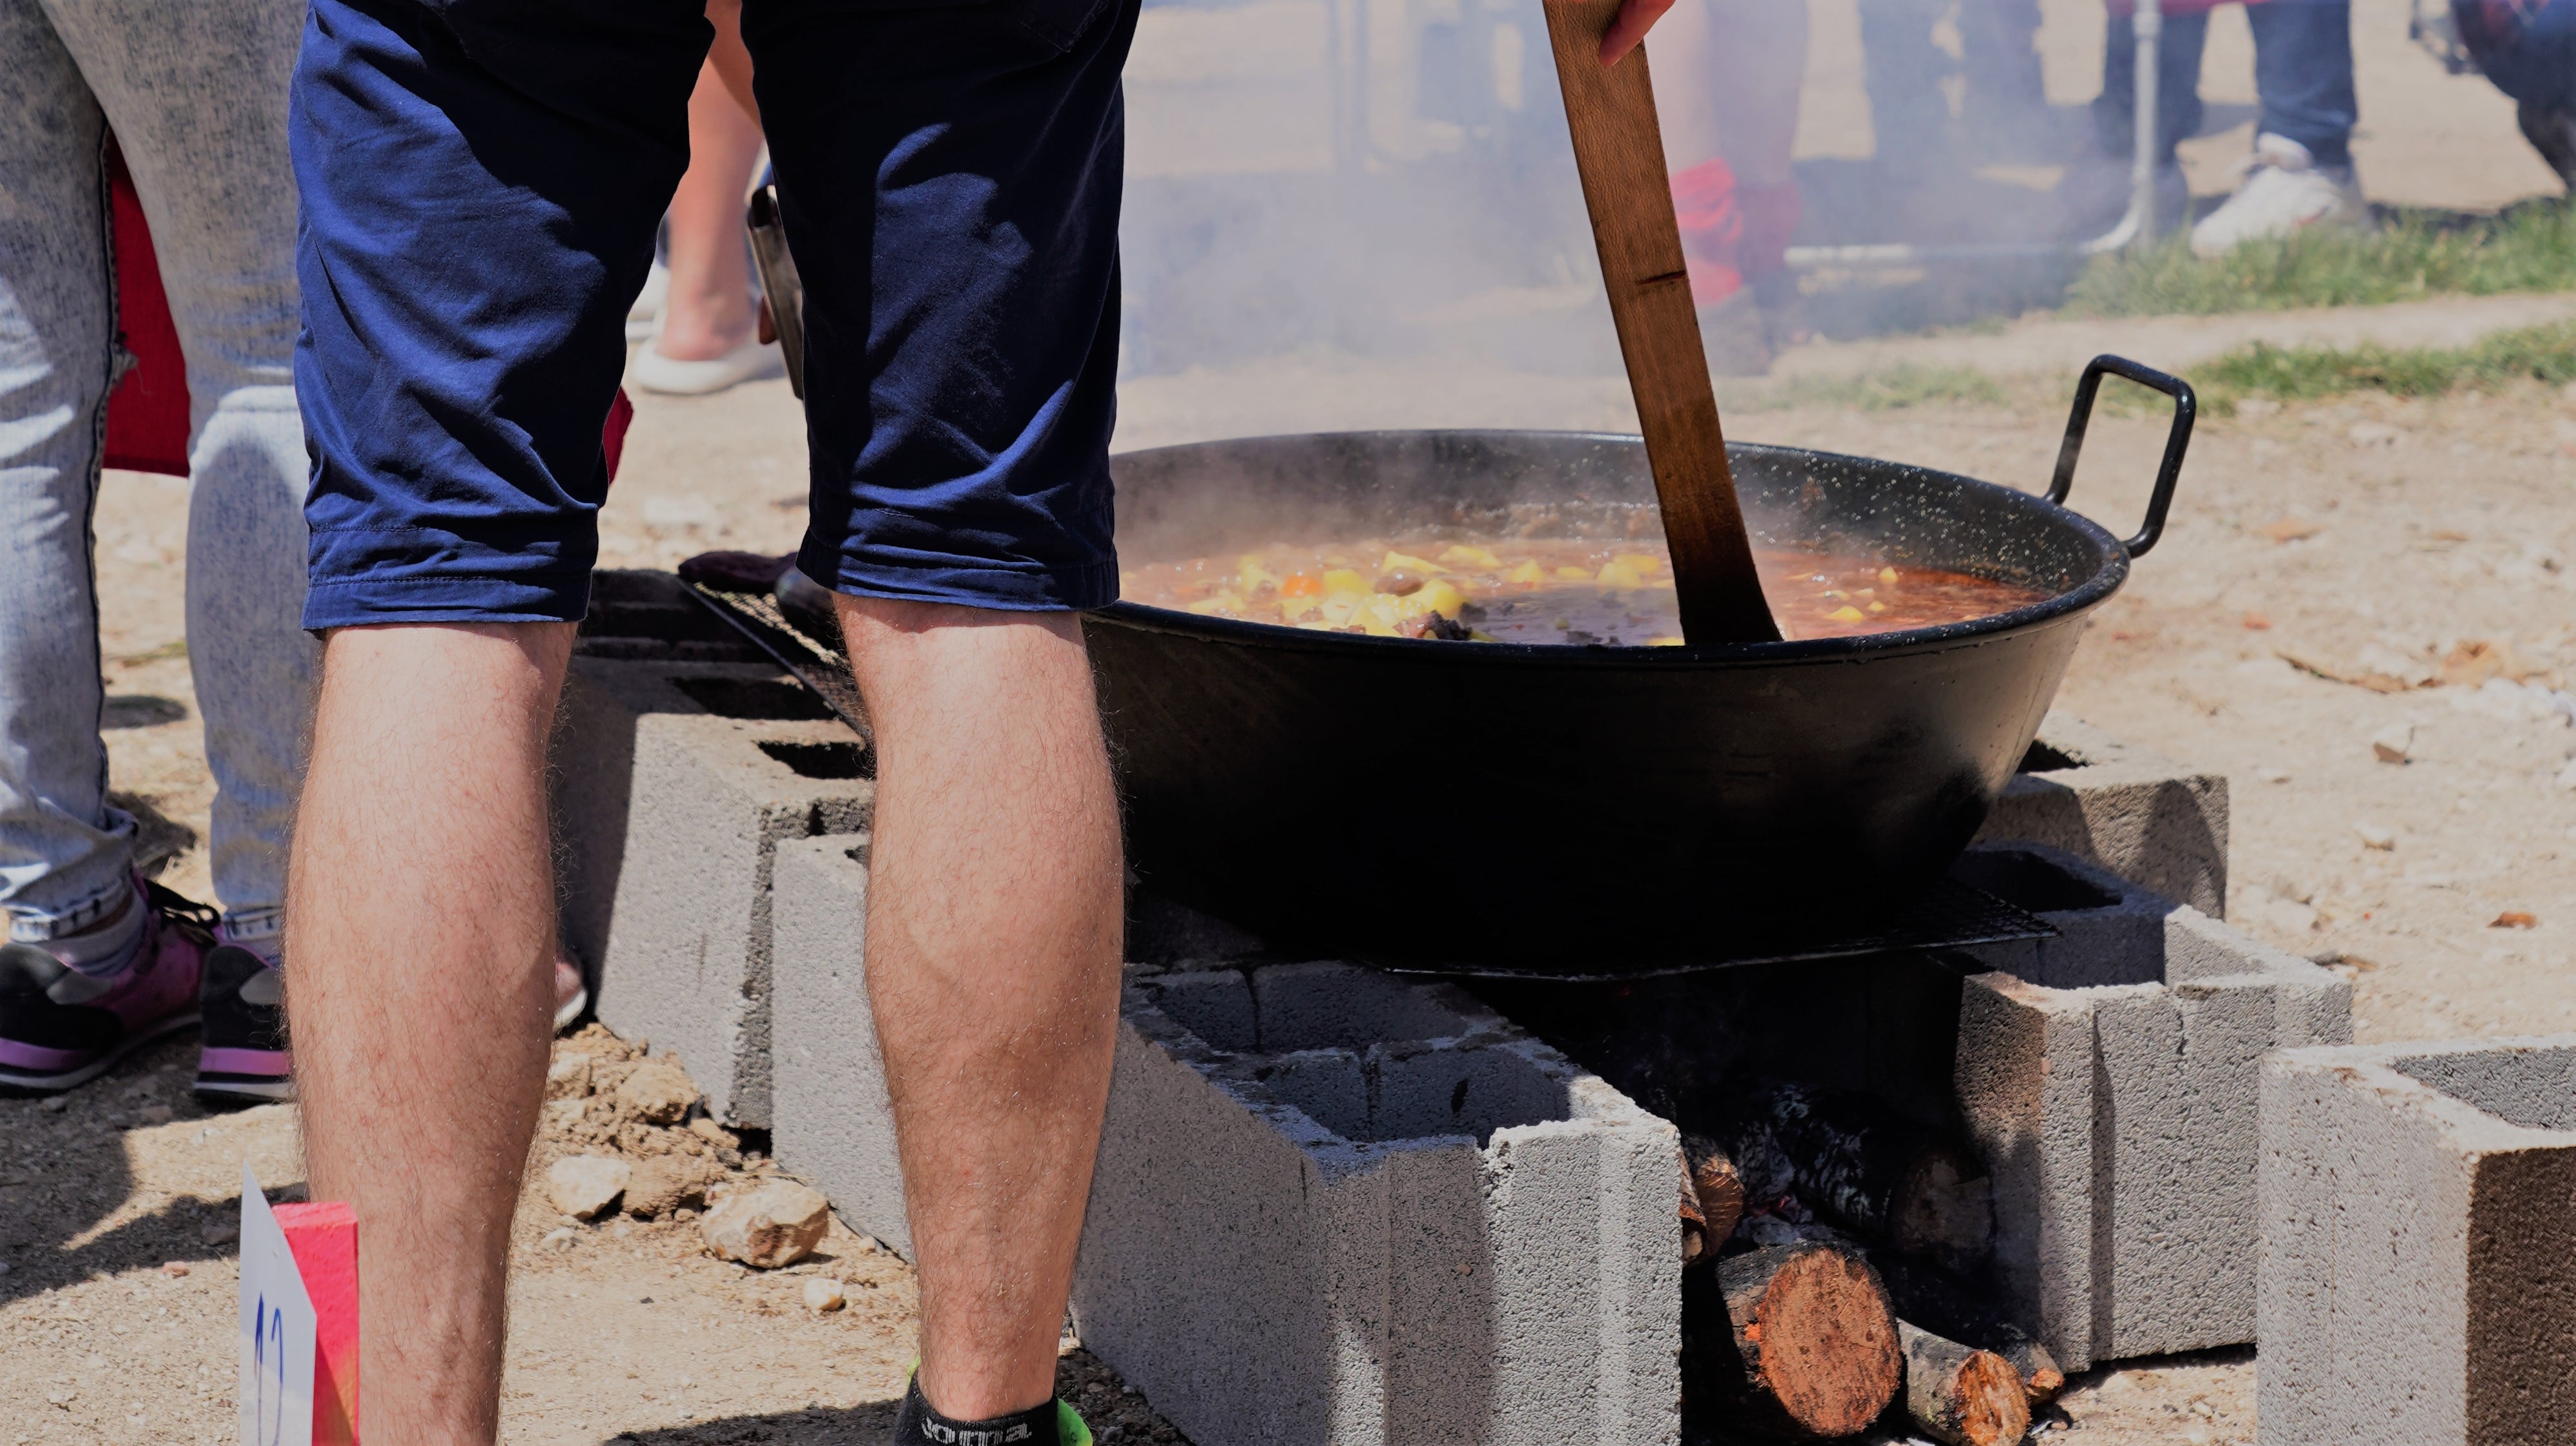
[
  {"x": 1337, "y": 1207},
  {"x": 2145, "y": 818},
  {"x": 2418, "y": 1276},
  {"x": 832, "y": 1125},
  {"x": 674, "y": 783},
  {"x": 2111, "y": 1078}
]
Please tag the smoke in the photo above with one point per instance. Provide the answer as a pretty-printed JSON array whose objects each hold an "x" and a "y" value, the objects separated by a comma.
[{"x": 1392, "y": 178}]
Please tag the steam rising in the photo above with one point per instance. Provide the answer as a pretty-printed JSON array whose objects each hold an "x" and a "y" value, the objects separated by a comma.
[{"x": 1389, "y": 179}]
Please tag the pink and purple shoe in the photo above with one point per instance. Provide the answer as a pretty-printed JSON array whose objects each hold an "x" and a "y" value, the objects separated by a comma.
[{"x": 60, "y": 1028}]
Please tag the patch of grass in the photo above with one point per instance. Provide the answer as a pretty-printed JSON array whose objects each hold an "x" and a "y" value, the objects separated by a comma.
[
  {"x": 2541, "y": 354},
  {"x": 1907, "y": 385},
  {"x": 2415, "y": 255}
]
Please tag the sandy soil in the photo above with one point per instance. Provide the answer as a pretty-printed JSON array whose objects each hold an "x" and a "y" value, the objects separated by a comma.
[
  {"x": 2364, "y": 537},
  {"x": 2412, "y": 528}
]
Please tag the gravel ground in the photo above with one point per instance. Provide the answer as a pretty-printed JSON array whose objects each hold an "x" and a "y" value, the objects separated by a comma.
[{"x": 2430, "y": 542}]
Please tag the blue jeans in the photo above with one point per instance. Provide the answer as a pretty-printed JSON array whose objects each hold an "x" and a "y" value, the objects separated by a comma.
[
  {"x": 2302, "y": 77},
  {"x": 196, "y": 92}
]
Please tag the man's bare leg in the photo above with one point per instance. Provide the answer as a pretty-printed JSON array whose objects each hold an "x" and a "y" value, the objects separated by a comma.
[
  {"x": 421, "y": 914},
  {"x": 995, "y": 911}
]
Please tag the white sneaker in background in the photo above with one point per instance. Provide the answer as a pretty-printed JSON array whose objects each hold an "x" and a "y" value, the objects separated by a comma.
[
  {"x": 647, "y": 310},
  {"x": 2284, "y": 190},
  {"x": 750, "y": 362}
]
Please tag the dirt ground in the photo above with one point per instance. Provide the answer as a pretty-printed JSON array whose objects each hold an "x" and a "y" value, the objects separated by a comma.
[
  {"x": 2364, "y": 537},
  {"x": 2426, "y": 543}
]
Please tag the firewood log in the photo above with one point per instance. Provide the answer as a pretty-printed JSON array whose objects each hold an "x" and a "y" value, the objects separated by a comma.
[
  {"x": 1951, "y": 1307},
  {"x": 1793, "y": 1341},
  {"x": 1960, "y": 1395},
  {"x": 1715, "y": 1187},
  {"x": 1881, "y": 1176}
]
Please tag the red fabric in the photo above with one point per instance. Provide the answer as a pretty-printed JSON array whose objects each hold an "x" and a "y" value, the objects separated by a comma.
[
  {"x": 1704, "y": 204},
  {"x": 147, "y": 414},
  {"x": 612, "y": 437},
  {"x": 1730, "y": 231},
  {"x": 324, "y": 1237}
]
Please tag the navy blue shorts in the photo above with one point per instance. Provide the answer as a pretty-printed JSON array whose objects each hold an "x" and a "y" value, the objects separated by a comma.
[{"x": 481, "y": 181}]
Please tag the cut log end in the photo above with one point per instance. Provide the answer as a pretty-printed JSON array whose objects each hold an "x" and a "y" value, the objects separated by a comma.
[
  {"x": 1961, "y": 1396},
  {"x": 1817, "y": 1337},
  {"x": 1718, "y": 1186},
  {"x": 2041, "y": 1380}
]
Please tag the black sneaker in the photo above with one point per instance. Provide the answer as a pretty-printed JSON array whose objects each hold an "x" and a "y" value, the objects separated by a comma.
[{"x": 243, "y": 1008}]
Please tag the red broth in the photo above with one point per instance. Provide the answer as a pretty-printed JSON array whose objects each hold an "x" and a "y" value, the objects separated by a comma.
[{"x": 1565, "y": 592}]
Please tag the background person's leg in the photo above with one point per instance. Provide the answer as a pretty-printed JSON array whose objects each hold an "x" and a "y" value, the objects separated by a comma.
[
  {"x": 2303, "y": 75},
  {"x": 2178, "y": 108},
  {"x": 64, "y": 854},
  {"x": 422, "y": 992},
  {"x": 707, "y": 315},
  {"x": 197, "y": 96},
  {"x": 994, "y": 919}
]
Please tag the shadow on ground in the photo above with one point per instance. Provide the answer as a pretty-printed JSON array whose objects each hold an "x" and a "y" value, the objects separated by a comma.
[{"x": 70, "y": 1172}]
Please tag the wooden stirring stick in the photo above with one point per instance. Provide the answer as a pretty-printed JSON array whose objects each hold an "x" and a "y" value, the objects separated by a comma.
[{"x": 1619, "y": 150}]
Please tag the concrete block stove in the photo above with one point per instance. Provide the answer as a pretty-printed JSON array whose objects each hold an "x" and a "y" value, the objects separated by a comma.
[
  {"x": 2418, "y": 1283},
  {"x": 1335, "y": 1205}
]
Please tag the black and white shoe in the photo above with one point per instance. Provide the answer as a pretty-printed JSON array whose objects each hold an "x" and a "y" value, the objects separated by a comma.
[{"x": 242, "y": 1005}]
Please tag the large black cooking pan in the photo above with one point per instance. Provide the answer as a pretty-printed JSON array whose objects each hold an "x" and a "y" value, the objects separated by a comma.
[{"x": 1587, "y": 807}]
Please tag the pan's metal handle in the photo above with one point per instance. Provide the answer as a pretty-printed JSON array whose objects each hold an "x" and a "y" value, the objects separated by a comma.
[
  {"x": 2186, "y": 410},
  {"x": 779, "y": 283}
]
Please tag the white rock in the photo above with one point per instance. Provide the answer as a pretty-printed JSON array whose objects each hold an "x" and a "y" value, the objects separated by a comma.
[
  {"x": 2375, "y": 837},
  {"x": 824, "y": 1296},
  {"x": 2392, "y": 743},
  {"x": 773, "y": 1223},
  {"x": 584, "y": 1186},
  {"x": 568, "y": 1076},
  {"x": 562, "y": 1112},
  {"x": 562, "y": 1237},
  {"x": 2290, "y": 917},
  {"x": 2567, "y": 775},
  {"x": 2272, "y": 775},
  {"x": 2373, "y": 434},
  {"x": 54, "y": 1104}
]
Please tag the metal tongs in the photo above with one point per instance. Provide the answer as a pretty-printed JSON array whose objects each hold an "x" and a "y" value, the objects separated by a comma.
[{"x": 782, "y": 292}]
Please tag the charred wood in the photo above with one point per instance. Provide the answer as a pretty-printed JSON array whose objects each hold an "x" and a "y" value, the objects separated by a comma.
[{"x": 1887, "y": 1179}]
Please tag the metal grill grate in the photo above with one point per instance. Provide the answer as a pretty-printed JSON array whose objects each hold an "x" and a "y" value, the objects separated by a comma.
[
  {"x": 816, "y": 664},
  {"x": 1949, "y": 915}
]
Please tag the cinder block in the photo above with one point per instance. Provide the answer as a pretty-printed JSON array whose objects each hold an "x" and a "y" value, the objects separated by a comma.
[
  {"x": 2147, "y": 819},
  {"x": 675, "y": 781},
  {"x": 2418, "y": 1281},
  {"x": 2111, "y": 1080},
  {"x": 832, "y": 1123},
  {"x": 1337, "y": 1207}
]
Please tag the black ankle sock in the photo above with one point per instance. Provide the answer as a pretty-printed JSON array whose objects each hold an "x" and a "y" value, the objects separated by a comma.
[{"x": 918, "y": 1425}]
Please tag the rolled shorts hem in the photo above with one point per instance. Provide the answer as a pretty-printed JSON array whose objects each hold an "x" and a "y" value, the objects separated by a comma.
[
  {"x": 468, "y": 599},
  {"x": 1081, "y": 588}
]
